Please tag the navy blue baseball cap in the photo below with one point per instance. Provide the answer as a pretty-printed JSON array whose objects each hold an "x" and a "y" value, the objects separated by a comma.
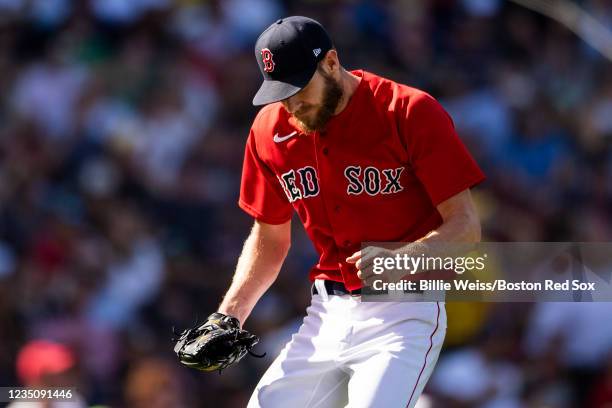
[{"x": 288, "y": 53}]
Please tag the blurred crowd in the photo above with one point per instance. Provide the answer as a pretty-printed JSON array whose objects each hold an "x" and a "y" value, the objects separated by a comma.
[{"x": 122, "y": 130}]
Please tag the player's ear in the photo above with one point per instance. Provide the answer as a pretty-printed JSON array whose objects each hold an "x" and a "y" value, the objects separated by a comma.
[{"x": 330, "y": 63}]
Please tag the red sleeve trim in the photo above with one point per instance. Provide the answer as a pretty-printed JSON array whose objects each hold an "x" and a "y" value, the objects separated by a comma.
[
  {"x": 479, "y": 178},
  {"x": 260, "y": 217}
]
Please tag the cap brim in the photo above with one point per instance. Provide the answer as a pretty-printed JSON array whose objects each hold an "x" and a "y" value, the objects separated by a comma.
[{"x": 272, "y": 91}]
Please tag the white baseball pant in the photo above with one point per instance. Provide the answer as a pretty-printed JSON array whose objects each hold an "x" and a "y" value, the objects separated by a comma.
[{"x": 356, "y": 355}]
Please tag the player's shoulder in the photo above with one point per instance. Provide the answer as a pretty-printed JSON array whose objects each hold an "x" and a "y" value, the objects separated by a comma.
[
  {"x": 271, "y": 121},
  {"x": 268, "y": 120},
  {"x": 395, "y": 94},
  {"x": 268, "y": 116}
]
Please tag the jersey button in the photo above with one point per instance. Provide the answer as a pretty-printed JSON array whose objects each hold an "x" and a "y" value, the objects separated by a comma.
[
  {"x": 325, "y": 151},
  {"x": 347, "y": 243},
  {"x": 337, "y": 208}
]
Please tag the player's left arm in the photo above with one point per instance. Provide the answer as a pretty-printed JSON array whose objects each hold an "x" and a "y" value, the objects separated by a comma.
[
  {"x": 446, "y": 169},
  {"x": 460, "y": 224}
]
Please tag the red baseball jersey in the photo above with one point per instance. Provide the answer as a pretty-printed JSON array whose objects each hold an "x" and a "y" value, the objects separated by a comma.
[{"x": 376, "y": 173}]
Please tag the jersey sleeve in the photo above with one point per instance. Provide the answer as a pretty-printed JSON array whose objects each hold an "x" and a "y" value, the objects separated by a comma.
[
  {"x": 261, "y": 194},
  {"x": 439, "y": 158}
]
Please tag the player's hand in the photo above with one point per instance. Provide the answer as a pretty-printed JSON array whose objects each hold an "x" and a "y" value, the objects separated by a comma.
[
  {"x": 214, "y": 345},
  {"x": 364, "y": 261}
]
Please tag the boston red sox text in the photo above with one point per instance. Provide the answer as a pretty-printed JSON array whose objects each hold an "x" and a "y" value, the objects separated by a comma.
[{"x": 477, "y": 285}]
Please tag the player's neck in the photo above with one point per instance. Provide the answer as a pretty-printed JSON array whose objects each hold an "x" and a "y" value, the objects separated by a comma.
[{"x": 349, "y": 83}]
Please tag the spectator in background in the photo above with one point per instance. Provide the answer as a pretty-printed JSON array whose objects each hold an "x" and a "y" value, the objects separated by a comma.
[
  {"x": 601, "y": 393},
  {"x": 577, "y": 335},
  {"x": 135, "y": 270},
  {"x": 155, "y": 383},
  {"x": 46, "y": 93},
  {"x": 43, "y": 364},
  {"x": 483, "y": 376}
]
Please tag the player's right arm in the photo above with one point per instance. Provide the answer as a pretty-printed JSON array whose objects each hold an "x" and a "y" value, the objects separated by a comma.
[
  {"x": 263, "y": 198},
  {"x": 262, "y": 256}
]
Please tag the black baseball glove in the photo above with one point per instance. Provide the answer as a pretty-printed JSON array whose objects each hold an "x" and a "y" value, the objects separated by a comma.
[{"x": 214, "y": 345}]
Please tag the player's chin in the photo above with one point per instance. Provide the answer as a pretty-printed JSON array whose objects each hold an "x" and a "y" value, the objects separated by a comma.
[
  {"x": 313, "y": 125},
  {"x": 306, "y": 127},
  {"x": 304, "y": 120}
]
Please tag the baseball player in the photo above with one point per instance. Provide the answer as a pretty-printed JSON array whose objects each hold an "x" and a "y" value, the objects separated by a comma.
[{"x": 359, "y": 158}]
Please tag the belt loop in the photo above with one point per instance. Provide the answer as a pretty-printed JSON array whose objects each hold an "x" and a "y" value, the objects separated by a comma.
[{"x": 320, "y": 285}]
